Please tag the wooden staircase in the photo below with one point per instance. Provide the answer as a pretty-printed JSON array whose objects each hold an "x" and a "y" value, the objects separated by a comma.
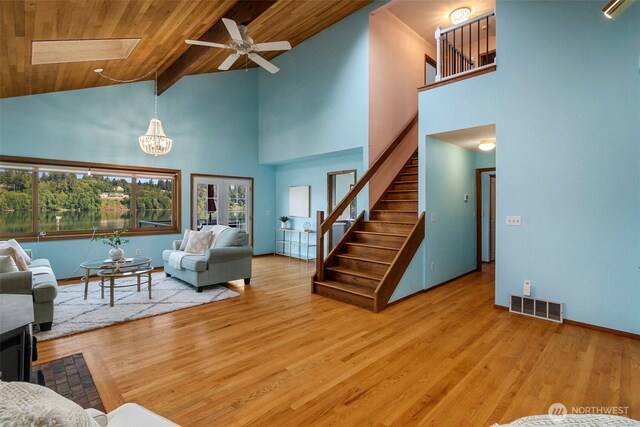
[{"x": 368, "y": 262}]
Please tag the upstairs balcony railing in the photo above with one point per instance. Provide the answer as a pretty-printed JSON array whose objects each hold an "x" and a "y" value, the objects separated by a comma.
[{"x": 466, "y": 47}]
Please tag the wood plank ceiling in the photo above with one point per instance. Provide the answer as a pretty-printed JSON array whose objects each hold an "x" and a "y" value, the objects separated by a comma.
[{"x": 162, "y": 26}]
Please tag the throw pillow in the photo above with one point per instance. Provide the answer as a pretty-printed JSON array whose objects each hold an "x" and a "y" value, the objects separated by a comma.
[
  {"x": 19, "y": 261},
  {"x": 199, "y": 242},
  {"x": 7, "y": 264},
  {"x": 14, "y": 244},
  {"x": 25, "y": 404},
  {"x": 185, "y": 240}
]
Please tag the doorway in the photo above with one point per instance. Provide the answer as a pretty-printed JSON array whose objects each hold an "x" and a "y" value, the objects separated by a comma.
[
  {"x": 430, "y": 70},
  {"x": 339, "y": 183},
  {"x": 222, "y": 200},
  {"x": 485, "y": 216},
  {"x": 492, "y": 218}
]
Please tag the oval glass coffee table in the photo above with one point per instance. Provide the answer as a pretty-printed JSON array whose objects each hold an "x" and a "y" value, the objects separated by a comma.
[
  {"x": 124, "y": 272},
  {"x": 106, "y": 264}
]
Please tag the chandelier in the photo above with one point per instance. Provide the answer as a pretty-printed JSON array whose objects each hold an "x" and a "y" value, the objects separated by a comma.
[{"x": 155, "y": 141}]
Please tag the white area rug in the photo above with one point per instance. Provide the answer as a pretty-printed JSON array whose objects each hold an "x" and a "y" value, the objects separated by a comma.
[{"x": 72, "y": 314}]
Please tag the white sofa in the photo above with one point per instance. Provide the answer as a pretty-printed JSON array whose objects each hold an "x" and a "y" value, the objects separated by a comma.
[{"x": 25, "y": 404}]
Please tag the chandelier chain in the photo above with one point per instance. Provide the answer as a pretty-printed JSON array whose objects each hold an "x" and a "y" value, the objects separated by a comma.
[
  {"x": 155, "y": 94},
  {"x": 99, "y": 72}
]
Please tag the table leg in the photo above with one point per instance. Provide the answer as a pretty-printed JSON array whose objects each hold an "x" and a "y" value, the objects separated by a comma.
[
  {"x": 111, "y": 286},
  {"x": 149, "y": 284},
  {"x": 86, "y": 283},
  {"x": 138, "y": 283},
  {"x": 102, "y": 288}
]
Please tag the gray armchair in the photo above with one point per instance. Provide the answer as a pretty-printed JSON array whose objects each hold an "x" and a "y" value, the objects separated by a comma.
[
  {"x": 40, "y": 282},
  {"x": 229, "y": 259}
]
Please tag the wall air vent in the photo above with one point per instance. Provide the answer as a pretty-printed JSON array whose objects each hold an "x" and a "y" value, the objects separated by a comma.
[{"x": 534, "y": 307}]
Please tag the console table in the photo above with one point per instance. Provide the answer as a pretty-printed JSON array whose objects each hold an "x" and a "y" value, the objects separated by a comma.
[{"x": 288, "y": 238}]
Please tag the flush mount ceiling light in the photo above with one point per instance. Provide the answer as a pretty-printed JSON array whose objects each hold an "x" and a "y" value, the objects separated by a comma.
[
  {"x": 615, "y": 8},
  {"x": 459, "y": 15},
  {"x": 487, "y": 144}
]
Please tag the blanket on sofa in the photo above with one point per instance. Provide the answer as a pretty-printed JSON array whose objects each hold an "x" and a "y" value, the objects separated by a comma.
[{"x": 175, "y": 259}]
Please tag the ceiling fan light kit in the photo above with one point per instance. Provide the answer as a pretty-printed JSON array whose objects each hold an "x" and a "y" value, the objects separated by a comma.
[{"x": 244, "y": 45}]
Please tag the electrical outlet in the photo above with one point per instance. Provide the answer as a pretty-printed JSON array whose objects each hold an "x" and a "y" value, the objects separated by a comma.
[
  {"x": 267, "y": 212},
  {"x": 42, "y": 233},
  {"x": 433, "y": 217},
  {"x": 138, "y": 252},
  {"x": 514, "y": 220},
  {"x": 526, "y": 288},
  {"x": 433, "y": 265}
]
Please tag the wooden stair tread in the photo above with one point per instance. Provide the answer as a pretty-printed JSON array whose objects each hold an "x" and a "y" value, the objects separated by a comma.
[
  {"x": 361, "y": 258},
  {"x": 381, "y": 233},
  {"x": 408, "y": 173},
  {"x": 347, "y": 287},
  {"x": 402, "y": 191},
  {"x": 398, "y": 200},
  {"x": 378, "y": 221},
  {"x": 394, "y": 210},
  {"x": 351, "y": 272},
  {"x": 406, "y": 182},
  {"x": 368, "y": 245}
]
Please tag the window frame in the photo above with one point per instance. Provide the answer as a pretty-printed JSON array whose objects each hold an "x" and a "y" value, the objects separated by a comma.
[{"x": 133, "y": 172}]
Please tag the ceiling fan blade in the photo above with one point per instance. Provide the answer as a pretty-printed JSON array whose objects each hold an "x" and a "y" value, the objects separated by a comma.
[
  {"x": 207, "y": 44},
  {"x": 266, "y": 47},
  {"x": 229, "y": 61},
  {"x": 232, "y": 27},
  {"x": 263, "y": 63}
]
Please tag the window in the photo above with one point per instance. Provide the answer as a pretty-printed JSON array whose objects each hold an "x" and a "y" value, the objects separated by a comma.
[{"x": 72, "y": 199}]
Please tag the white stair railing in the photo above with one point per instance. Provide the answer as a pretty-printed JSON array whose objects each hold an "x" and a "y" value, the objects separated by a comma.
[{"x": 466, "y": 47}]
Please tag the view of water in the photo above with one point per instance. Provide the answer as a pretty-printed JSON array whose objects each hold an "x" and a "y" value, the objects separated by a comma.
[{"x": 16, "y": 222}]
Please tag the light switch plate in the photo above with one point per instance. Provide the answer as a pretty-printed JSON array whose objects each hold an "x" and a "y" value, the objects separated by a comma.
[
  {"x": 433, "y": 217},
  {"x": 514, "y": 220}
]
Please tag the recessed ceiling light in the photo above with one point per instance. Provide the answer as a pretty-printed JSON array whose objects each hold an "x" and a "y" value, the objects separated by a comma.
[
  {"x": 62, "y": 51},
  {"x": 459, "y": 15},
  {"x": 487, "y": 144}
]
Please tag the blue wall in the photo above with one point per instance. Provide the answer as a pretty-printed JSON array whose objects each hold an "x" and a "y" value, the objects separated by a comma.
[
  {"x": 319, "y": 100},
  {"x": 451, "y": 239},
  {"x": 313, "y": 172},
  {"x": 211, "y": 118},
  {"x": 577, "y": 111}
]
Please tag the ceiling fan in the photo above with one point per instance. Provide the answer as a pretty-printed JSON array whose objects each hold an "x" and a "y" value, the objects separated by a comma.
[{"x": 244, "y": 45}]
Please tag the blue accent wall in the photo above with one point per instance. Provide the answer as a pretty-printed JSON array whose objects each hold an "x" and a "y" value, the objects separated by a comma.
[
  {"x": 313, "y": 172},
  {"x": 319, "y": 100},
  {"x": 451, "y": 239},
  {"x": 566, "y": 104},
  {"x": 212, "y": 119}
]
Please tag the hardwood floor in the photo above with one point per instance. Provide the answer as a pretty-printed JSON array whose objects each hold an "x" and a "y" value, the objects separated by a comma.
[{"x": 280, "y": 356}]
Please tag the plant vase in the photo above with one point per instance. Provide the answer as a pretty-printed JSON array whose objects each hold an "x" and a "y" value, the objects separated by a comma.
[
  {"x": 116, "y": 254},
  {"x": 283, "y": 225}
]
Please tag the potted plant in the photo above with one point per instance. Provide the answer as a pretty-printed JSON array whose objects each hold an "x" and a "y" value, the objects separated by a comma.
[
  {"x": 114, "y": 240},
  {"x": 283, "y": 221}
]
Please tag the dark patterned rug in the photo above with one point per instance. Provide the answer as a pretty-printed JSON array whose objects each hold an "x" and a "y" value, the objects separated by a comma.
[{"x": 70, "y": 377}]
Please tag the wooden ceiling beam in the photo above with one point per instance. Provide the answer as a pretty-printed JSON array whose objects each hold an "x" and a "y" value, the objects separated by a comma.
[{"x": 243, "y": 12}]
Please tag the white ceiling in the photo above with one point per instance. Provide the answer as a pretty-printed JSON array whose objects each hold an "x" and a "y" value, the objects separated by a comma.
[
  {"x": 468, "y": 138},
  {"x": 424, "y": 16}
]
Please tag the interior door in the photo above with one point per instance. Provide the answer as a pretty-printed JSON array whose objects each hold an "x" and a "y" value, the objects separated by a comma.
[
  {"x": 492, "y": 218},
  {"x": 222, "y": 200}
]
